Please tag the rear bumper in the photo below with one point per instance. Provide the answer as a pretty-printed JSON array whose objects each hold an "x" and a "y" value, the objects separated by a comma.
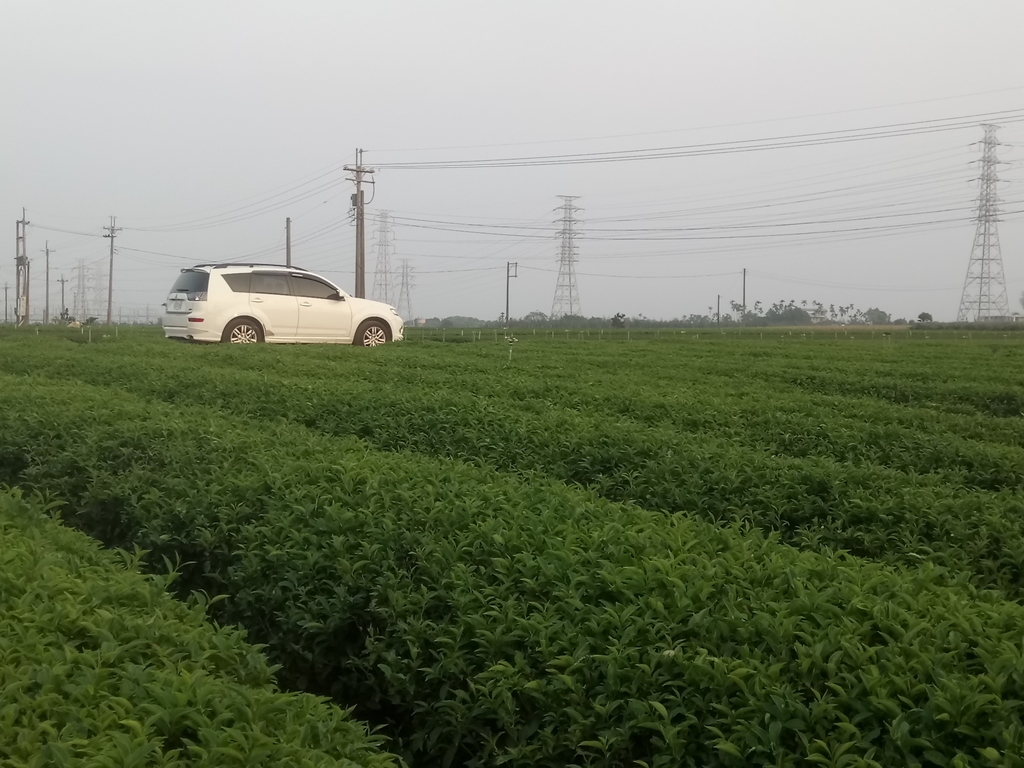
[{"x": 191, "y": 333}]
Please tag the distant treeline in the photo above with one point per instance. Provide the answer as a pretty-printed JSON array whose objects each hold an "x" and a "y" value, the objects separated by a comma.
[{"x": 782, "y": 313}]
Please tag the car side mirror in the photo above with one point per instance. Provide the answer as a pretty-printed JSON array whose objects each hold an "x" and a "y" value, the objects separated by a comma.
[{"x": 336, "y": 297}]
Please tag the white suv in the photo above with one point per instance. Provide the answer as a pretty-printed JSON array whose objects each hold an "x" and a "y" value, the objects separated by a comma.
[{"x": 250, "y": 303}]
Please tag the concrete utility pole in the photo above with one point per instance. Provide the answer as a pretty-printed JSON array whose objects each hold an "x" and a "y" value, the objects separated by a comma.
[
  {"x": 5, "y": 302},
  {"x": 358, "y": 171},
  {"x": 63, "y": 306},
  {"x": 111, "y": 233},
  {"x": 46, "y": 306},
  {"x": 743, "y": 318},
  {"x": 288, "y": 242},
  {"x": 718, "y": 311},
  {"x": 21, "y": 278},
  {"x": 509, "y": 274}
]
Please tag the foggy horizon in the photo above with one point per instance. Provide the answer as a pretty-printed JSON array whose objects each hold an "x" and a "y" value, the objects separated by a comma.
[{"x": 202, "y": 127}]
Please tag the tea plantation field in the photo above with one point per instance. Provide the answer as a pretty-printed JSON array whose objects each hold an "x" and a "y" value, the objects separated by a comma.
[{"x": 660, "y": 549}]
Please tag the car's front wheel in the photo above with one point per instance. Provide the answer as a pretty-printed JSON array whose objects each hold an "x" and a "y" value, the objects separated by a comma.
[
  {"x": 243, "y": 331},
  {"x": 372, "y": 333}
]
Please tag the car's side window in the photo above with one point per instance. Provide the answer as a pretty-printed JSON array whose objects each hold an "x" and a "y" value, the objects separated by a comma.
[
  {"x": 312, "y": 288},
  {"x": 239, "y": 283},
  {"x": 269, "y": 283}
]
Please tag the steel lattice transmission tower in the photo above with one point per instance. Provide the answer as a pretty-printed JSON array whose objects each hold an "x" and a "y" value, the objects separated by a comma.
[
  {"x": 984, "y": 296},
  {"x": 567, "y": 293},
  {"x": 404, "y": 305},
  {"x": 383, "y": 277},
  {"x": 83, "y": 287}
]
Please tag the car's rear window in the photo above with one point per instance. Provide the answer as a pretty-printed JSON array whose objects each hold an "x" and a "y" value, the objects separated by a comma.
[
  {"x": 238, "y": 282},
  {"x": 192, "y": 282}
]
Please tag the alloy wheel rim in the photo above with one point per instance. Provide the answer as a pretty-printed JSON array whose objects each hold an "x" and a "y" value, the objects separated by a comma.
[
  {"x": 244, "y": 334},
  {"x": 374, "y": 337}
]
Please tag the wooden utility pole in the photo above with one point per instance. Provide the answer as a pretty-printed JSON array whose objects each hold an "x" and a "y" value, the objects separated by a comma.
[
  {"x": 288, "y": 242},
  {"x": 358, "y": 171},
  {"x": 46, "y": 306},
  {"x": 111, "y": 233}
]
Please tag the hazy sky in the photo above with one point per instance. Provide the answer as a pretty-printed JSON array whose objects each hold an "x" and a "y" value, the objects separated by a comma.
[{"x": 202, "y": 125}]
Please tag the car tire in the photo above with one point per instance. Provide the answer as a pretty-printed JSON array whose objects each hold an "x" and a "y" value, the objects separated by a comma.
[
  {"x": 372, "y": 333},
  {"x": 243, "y": 330}
]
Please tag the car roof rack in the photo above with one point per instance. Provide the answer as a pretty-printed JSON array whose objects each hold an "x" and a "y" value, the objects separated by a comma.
[{"x": 223, "y": 264}]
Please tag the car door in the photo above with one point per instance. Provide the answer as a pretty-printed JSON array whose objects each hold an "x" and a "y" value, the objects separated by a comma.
[
  {"x": 324, "y": 313},
  {"x": 271, "y": 301}
]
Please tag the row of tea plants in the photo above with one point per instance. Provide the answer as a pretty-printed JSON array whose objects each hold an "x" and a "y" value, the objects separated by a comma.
[
  {"x": 852, "y": 479},
  {"x": 99, "y": 666},
  {"x": 487, "y": 619}
]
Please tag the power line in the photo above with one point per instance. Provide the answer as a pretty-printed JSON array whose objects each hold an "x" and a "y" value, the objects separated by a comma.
[
  {"x": 656, "y": 234},
  {"x": 635, "y": 276},
  {"x": 239, "y": 216},
  {"x": 67, "y": 231},
  {"x": 854, "y": 286},
  {"x": 704, "y": 127},
  {"x": 840, "y": 136},
  {"x": 860, "y": 169}
]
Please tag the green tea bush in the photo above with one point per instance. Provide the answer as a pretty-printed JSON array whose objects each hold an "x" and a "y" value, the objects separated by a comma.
[
  {"x": 99, "y": 666},
  {"x": 822, "y": 481},
  {"x": 489, "y": 620}
]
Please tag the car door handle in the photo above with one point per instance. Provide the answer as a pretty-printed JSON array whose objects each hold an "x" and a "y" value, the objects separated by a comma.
[
  {"x": 305, "y": 304},
  {"x": 256, "y": 300}
]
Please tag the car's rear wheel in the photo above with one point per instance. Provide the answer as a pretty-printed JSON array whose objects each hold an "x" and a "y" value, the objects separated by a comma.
[
  {"x": 243, "y": 331},
  {"x": 372, "y": 333}
]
